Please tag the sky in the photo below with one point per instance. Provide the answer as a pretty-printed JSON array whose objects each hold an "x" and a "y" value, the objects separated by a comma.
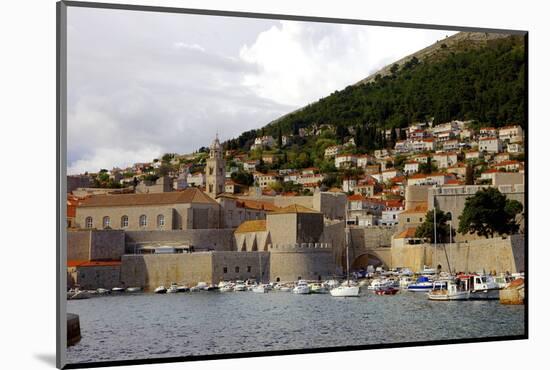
[{"x": 141, "y": 84}]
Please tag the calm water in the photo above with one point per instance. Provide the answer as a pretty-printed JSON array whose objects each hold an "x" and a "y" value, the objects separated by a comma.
[{"x": 124, "y": 327}]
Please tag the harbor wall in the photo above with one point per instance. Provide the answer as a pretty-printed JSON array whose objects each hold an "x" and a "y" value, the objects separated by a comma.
[
  {"x": 93, "y": 277},
  {"x": 502, "y": 254},
  {"x": 152, "y": 270},
  {"x": 201, "y": 239}
]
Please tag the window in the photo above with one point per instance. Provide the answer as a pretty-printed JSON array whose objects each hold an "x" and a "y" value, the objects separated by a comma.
[
  {"x": 106, "y": 222},
  {"x": 160, "y": 221},
  {"x": 142, "y": 221},
  {"x": 237, "y": 269},
  {"x": 89, "y": 222},
  {"x": 249, "y": 269},
  {"x": 225, "y": 270},
  {"x": 124, "y": 222},
  {"x": 420, "y": 219},
  {"x": 408, "y": 219},
  {"x": 210, "y": 170}
]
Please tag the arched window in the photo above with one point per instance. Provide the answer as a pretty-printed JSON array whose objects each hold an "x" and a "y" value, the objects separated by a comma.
[
  {"x": 160, "y": 221},
  {"x": 106, "y": 222},
  {"x": 142, "y": 221},
  {"x": 89, "y": 222},
  {"x": 124, "y": 222}
]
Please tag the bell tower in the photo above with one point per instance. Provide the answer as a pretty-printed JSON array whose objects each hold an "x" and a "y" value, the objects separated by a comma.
[{"x": 215, "y": 170}]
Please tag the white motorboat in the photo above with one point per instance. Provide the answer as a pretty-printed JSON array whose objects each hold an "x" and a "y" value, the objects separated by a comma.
[
  {"x": 379, "y": 284},
  {"x": 133, "y": 289},
  {"x": 240, "y": 286},
  {"x": 202, "y": 285},
  {"x": 117, "y": 290},
  {"x": 260, "y": 288},
  {"x": 226, "y": 288},
  {"x": 182, "y": 288},
  {"x": 173, "y": 288},
  {"x": 448, "y": 291},
  {"x": 78, "y": 294},
  {"x": 160, "y": 290},
  {"x": 301, "y": 288},
  {"x": 102, "y": 291}
]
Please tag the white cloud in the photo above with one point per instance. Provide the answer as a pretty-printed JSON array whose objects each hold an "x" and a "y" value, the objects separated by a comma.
[
  {"x": 183, "y": 45},
  {"x": 298, "y": 63},
  {"x": 105, "y": 157}
]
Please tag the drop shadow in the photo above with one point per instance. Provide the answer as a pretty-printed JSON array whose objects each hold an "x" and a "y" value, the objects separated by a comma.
[{"x": 47, "y": 358}]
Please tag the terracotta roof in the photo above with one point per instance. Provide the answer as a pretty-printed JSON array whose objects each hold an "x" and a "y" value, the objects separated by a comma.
[
  {"x": 409, "y": 232},
  {"x": 295, "y": 208},
  {"x": 419, "y": 208},
  {"x": 355, "y": 197},
  {"x": 251, "y": 226},
  {"x": 190, "y": 195},
  {"x": 256, "y": 204},
  {"x": 86, "y": 263}
]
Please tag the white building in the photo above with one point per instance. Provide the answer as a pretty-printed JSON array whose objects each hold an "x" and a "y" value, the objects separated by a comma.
[
  {"x": 197, "y": 179},
  {"x": 332, "y": 151},
  {"x": 411, "y": 167},
  {"x": 345, "y": 161},
  {"x": 512, "y": 134},
  {"x": 490, "y": 145},
  {"x": 444, "y": 160}
]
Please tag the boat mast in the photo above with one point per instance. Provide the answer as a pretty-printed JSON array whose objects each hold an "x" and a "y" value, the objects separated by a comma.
[
  {"x": 435, "y": 233},
  {"x": 260, "y": 260}
]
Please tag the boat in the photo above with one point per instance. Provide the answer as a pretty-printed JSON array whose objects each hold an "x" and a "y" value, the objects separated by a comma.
[
  {"x": 226, "y": 288},
  {"x": 182, "y": 288},
  {"x": 260, "y": 288},
  {"x": 202, "y": 285},
  {"x": 503, "y": 281},
  {"x": 76, "y": 293},
  {"x": 318, "y": 288},
  {"x": 133, "y": 289},
  {"x": 211, "y": 287},
  {"x": 301, "y": 288},
  {"x": 380, "y": 283},
  {"x": 448, "y": 291},
  {"x": 285, "y": 288},
  {"x": 347, "y": 289},
  {"x": 386, "y": 290},
  {"x": 481, "y": 287},
  {"x": 173, "y": 288},
  {"x": 160, "y": 290},
  {"x": 102, "y": 291},
  {"x": 422, "y": 284},
  {"x": 117, "y": 290},
  {"x": 332, "y": 283},
  {"x": 195, "y": 289},
  {"x": 239, "y": 286}
]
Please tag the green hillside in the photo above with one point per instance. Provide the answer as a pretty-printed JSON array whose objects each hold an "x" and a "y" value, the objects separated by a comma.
[{"x": 483, "y": 82}]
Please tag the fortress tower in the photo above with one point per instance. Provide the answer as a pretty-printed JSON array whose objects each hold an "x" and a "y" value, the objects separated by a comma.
[{"x": 215, "y": 170}]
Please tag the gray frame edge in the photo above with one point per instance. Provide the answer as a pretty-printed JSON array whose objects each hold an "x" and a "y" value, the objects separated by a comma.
[
  {"x": 61, "y": 193},
  {"x": 289, "y": 17}
]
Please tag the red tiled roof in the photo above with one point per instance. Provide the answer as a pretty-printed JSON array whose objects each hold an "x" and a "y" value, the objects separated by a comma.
[
  {"x": 409, "y": 232},
  {"x": 190, "y": 195}
]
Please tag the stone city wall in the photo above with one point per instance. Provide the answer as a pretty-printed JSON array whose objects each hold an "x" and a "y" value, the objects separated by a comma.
[
  {"x": 302, "y": 263},
  {"x": 93, "y": 277},
  {"x": 87, "y": 245},
  {"x": 496, "y": 254},
  {"x": 201, "y": 239}
]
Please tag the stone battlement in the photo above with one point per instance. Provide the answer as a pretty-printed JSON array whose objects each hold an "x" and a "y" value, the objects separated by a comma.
[
  {"x": 299, "y": 247},
  {"x": 472, "y": 189}
]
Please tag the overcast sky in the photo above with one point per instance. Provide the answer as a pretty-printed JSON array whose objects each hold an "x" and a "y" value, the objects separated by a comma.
[{"x": 143, "y": 84}]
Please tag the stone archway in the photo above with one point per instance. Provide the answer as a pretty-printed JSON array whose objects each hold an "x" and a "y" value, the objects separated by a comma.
[{"x": 366, "y": 259}]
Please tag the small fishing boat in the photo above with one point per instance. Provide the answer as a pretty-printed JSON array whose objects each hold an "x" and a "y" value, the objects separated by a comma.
[
  {"x": 182, "y": 288},
  {"x": 387, "y": 290},
  {"x": 481, "y": 287},
  {"x": 301, "y": 288},
  {"x": 379, "y": 284},
  {"x": 448, "y": 291},
  {"x": 160, "y": 290},
  {"x": 133, "y": 289},
  {"x": 117, "y": 290}
]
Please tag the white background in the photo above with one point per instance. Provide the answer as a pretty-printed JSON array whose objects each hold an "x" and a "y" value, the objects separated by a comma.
[{"x": 27, "y": 208}]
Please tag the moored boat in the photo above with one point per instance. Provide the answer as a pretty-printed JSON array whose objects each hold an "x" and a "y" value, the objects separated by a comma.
[
  {"x": 481, "y": 287},
  {"x": 422, "y": 284},
  {"x": 318, "y": 288},
  {"x": 117, "y": 290},
  {"x": 160, "y": 290},
  {"x": 133, "y": 289},
  {"x": 387, "y": 290},
  {"x": 260, "y": 288},
  {"x": 173, "y": 288},
  {"x": 301, "y": 288},
  {"x": 448, "y": 291}
]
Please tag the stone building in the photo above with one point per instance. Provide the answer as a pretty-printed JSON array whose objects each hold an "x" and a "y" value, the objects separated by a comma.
[
  {"x": 215, "y": 170},
  {"x": 189, "y": 209}
]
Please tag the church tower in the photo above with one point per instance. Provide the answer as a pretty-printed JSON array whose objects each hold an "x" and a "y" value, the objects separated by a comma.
[{"x": 215, "y": 170}]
